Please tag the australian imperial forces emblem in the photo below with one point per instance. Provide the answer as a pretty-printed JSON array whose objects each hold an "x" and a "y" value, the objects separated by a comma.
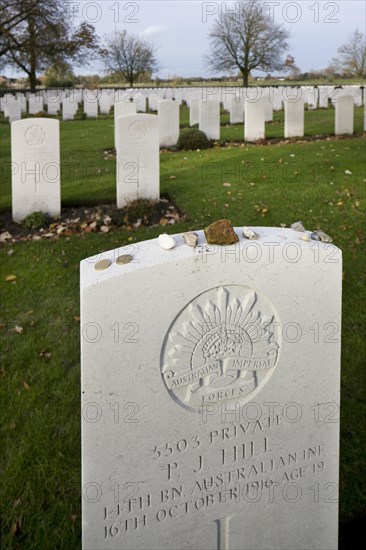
[{"x": 222, "y": 346}]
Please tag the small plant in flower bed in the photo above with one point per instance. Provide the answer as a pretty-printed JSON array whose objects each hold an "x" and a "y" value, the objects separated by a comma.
[
  {"x": 193, "y": 139},
  {"x": 36, "y": 220}
]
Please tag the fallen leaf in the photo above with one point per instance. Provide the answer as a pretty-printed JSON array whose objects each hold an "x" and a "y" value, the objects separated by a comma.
[
  {"x": 17, "y": 527},
  {"x": 77, "y": 318},
  {"x": 10, "y": 278},
  {"x": 226, "y": 184},
  {"x": 26, "y": 386}
]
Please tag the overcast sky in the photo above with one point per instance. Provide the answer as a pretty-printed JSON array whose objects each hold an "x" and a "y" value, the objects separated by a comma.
[{"x": 179, "y": 28}]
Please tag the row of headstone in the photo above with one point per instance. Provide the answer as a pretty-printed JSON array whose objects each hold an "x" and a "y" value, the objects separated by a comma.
[
  {"x": 138, "y": 137},
  {"x": 35, "y": 159},
  {"x": 35, "y": 150},
  {"x": 259, "y": 111},
  {"x": 204, "y": 113},
  {"x": 313, "y": 97},
  {"x": 211, "y": 419}
]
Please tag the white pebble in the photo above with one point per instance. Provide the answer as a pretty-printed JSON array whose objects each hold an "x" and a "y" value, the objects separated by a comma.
[
  {"x": 249, "y": 233},
  {"x": 166, "y": 241}
]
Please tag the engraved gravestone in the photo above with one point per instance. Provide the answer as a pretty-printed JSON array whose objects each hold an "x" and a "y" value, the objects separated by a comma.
[
  {"x": 294, "y": 117},
  {"x": 344, "y": 115},
  {"x": 209, "y": 118},
  {"x": 90, "y": 104},
  {"x": 236, "y": 110},
  {"x": 254, "y": 127},
  {"x": 138, "y": 160},
  {"x": 35, "y": 158},
  {"x": 194, "y": 111},
  {"x": 210, "y": 395},
  {"x": 168, "y": 112},
  {"x": 12, "y": 109},
  {"x": 120, "y": 109}
]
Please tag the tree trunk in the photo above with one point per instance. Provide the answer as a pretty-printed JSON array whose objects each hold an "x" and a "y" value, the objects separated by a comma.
[
  {"x": 245, "y": 79},
  {"x": 32, "y": 80},
  {"x": 32, "y": 56}
]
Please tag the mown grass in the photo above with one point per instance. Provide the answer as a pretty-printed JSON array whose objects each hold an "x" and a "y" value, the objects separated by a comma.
[
  {"x": 88, "y": 178},
  {"x": 270, "y": 185}
]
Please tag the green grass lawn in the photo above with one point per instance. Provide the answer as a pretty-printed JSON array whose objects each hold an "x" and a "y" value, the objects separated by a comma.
[{"x": 40, "y": 365}]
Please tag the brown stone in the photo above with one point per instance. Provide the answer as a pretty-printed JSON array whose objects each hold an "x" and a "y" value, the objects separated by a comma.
[{"x": 221, "y": 232}]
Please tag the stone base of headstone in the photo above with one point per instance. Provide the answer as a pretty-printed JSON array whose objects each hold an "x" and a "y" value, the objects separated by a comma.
[{"x": 210, "y": 394}]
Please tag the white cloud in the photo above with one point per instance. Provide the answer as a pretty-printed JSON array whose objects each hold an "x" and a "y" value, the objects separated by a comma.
[{"x": 152, "y": 31}]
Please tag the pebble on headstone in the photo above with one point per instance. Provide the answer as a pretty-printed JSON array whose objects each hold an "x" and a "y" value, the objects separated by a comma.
[
  {"x": 35, "y": 157},
  {"x": 210, "y": 396},
  {"x": 221, "y": 232}
]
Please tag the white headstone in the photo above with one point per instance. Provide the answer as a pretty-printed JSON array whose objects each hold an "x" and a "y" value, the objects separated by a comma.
[
  {"x": 53, "y": 106},
  {"x": 323, "y": 97},
  {"x": 122, "y": 108},
  {"x": 277, "y": 99},
  {"x": 254, "y": 128},
  {"x": 153, "y": 102},
  {"x": 35, "y": 104},
  {"x": 69, "y": 109},
  {"x": 91, "y": 107},
  {"x": 210, "y": 395},
  {"x": 268, "y": 105},
  {"x": 105, "y": 104},
  {"x": 141, "y": 102},
  {"x": 209, "y": 118},
  {"x": 194, "y": 110},
  {"x": 12, "y": 109},
  {"x": 312, "y": 98},
  {"x": 168, "y": 111},
  {"x": 294, "y": 118},
  {"x": 35, "y": 157},
  {"x": 178, "y": 97},
  {"x": 138, "y": 158},
  {"x": 236, "y": 110},
  {"x": 344, "y": 115}
]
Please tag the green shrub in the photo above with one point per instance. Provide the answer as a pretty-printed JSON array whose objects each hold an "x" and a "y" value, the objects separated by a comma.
[
  {"x": 193, "y": 139},
  {"x": 139, "y": 209},
  {"x": 36, "y": 220}
]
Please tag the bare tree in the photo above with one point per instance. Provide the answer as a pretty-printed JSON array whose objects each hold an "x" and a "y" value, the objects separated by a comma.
[
  {"x": 129, "y": 56},
  {"x": 352, "y": 56},
  {"x": 247, "y": 39},
  {"x": 37, "y": 33}
]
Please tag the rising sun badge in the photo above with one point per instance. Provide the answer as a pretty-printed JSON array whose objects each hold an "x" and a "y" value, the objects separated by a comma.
[{"x": 222, "y": 346}]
